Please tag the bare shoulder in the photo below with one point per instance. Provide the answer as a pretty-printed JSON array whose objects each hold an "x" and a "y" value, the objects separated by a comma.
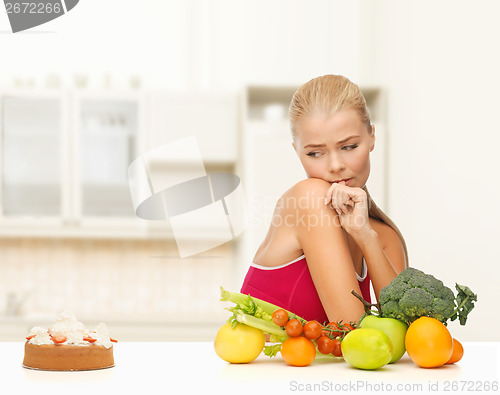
[
  {"x": 292, "y": 217},
  {"x": 306, "y": 194},
  {"x": 310, "y": 184}
]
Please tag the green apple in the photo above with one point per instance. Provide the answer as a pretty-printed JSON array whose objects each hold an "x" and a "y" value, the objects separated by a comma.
[
  {"x": 366, "y": 348},
  {"x": 393, "y": 328}
]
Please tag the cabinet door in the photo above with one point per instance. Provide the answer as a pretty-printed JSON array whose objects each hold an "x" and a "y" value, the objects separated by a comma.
[
  {"x": 106, "y": 143},
  {"x": 211, "y": 118},
  {"x": 31, "y": 167}
]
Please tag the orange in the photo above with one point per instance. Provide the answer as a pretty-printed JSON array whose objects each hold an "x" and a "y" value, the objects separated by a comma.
[
  {"x": 428, "y": 342},
  {"x": 458, "y": 352},
  {"x": 298, "y": 351}
]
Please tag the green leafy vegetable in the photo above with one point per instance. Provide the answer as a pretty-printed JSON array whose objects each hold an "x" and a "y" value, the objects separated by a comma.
[
  {"x": 465, "y": 303},
  {"x": 413, "y": 294},
  {"x": 272, "y": 350}
]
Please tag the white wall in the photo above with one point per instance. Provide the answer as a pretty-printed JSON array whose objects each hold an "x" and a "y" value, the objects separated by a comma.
[
  {"x": 437, "y": 60},
  {"x": 440, "y": 66}
]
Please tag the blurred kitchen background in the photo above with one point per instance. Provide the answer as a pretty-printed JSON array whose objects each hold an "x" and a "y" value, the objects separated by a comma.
[{"x": 83, "y": 96}]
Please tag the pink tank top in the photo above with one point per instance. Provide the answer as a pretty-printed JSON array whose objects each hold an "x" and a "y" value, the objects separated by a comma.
[{"x": 291, "y": 287}]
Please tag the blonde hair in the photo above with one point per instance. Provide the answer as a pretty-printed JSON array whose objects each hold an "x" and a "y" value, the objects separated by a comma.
[{"x": 324, "y": 96}]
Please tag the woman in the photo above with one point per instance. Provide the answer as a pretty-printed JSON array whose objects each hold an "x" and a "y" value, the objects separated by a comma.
[{"x": 327, "y": 236}]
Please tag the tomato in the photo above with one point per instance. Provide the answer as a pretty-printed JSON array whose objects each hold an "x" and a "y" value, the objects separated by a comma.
[
  {"x": 367, "y": 348},
  {"x": 325, "y": 345},
  {"x": 298, "y": 351},
  {"x": 312, "y": 330},
  {"x": 241, "y": 344},
  {"x": 458, "y": 352},
  {"x": 293, "y": 327},
  {"x": 280, "y": 317},
  {"x": 428, "y": 342},
  {"x": 347, "y": 327},
  {"x": 337, "y": 348}
]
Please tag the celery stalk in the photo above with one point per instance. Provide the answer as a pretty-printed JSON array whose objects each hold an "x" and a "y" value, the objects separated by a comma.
[
  {"x": 244, "y": 300},
  {"x": 239, "y": 298},
  {"x": 259, "y": 323}
]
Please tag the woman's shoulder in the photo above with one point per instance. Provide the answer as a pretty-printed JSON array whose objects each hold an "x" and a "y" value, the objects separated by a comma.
[
  {"x": 305, "y": 195},
  {"x": 309, "y": 184},
  {"x": 310, "y": 190}
]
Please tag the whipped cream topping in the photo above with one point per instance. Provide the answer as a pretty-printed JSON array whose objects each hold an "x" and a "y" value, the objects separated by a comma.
[
  {"x": 41, "y": 336},
  {"x": 73, "y": 330}
]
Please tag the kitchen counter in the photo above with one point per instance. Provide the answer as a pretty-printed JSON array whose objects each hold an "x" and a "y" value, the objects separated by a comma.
[{"x": 191, "y": 367}]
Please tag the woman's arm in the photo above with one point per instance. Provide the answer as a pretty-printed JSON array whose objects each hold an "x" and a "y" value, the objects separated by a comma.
[
  {"x": 382, "y": 248},
  {"x": 384, "y": 255},
  {"x": 322, "y": 240}
]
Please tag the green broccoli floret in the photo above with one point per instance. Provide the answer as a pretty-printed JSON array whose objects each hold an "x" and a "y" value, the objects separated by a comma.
[
  {"x": 413, "y": 294},
  {"x": 416, "y": 302}
]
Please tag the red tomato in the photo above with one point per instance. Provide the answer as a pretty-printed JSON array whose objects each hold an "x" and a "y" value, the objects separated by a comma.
[
  {"x": 293, "y": 327},
  {"x": 312, "y": 330},
  {"x": 337, "y": 351},
  {"x": 280, "y": 317},
  {"x": 325, "y": 345}
]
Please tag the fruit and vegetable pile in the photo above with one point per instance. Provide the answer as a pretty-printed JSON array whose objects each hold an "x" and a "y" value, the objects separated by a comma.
[{"x": 411, "y": 316}]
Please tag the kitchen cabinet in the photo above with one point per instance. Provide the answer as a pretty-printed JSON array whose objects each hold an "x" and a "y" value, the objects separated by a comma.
[
  {"x": 66, "y": 155},
  {"x": 107, "y": 134},
  {"x": 32, "y": 151},
  {"x": 65, "y": 159}
]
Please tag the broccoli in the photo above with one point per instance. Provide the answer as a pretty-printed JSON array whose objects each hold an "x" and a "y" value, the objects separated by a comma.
[{"x": 413, "y": 294}]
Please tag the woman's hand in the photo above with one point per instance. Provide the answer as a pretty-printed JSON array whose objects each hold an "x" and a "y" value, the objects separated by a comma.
[{"x": 351, "y": 204}]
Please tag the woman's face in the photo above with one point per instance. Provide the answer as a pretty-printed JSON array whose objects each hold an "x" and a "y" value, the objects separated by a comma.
[{"x": 335, "y": 148}]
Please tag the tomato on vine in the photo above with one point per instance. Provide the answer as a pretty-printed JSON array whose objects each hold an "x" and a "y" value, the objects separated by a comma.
[
  {"x": 337, "y": 351},
  {"x": 334, "y": 330},
  {"x": 293, "y": 327},
  {"x": 280, "y": 317},
  {"x": 312, "y": 330},
  {"x": 325, "y": 345}
]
